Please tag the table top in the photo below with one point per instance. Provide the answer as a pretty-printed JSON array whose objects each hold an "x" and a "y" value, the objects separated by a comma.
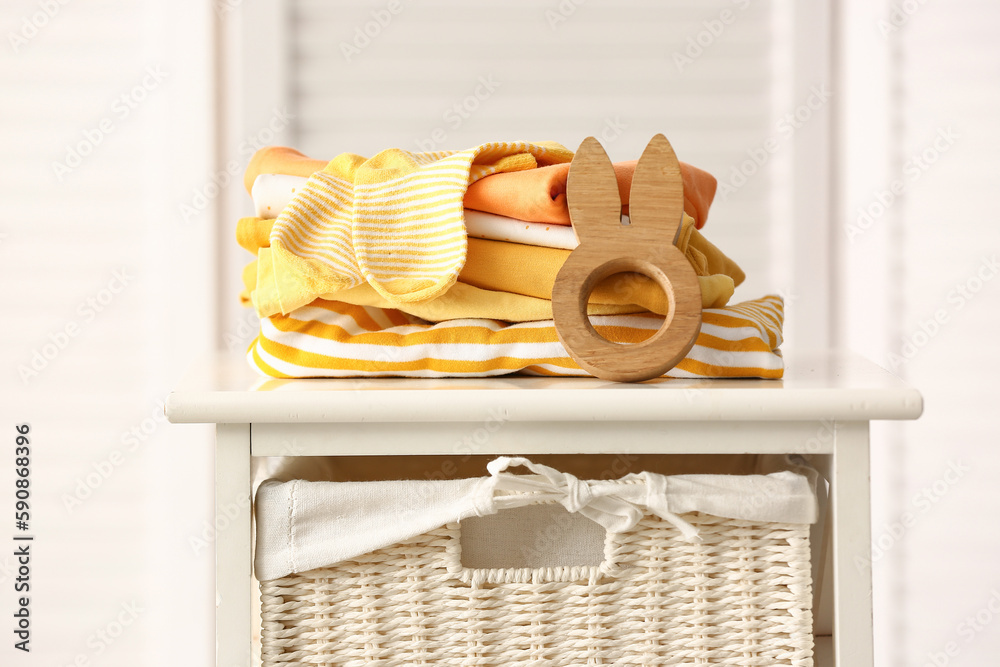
[{"x": 224, "y": 389}]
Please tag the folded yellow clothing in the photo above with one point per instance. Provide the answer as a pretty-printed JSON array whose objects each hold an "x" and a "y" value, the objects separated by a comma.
[
  {"x": 333, "y": 339},
  {"x": 532, "y": 270},
  {"x": 498, "y": 267},
  {"x": 461, "y": 301},
  {"x": 393, "y": 221},
  {"x": 616, "y": 295}
]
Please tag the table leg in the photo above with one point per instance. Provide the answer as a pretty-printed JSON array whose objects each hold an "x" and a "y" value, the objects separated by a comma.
[
  {"x": 821, "y": 543},
  {"x": 851, "y": 512},
  {"x": 232, "y": 545}
]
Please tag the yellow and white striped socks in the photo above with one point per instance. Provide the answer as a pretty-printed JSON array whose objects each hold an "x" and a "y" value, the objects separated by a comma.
[{"x": 394, "y": 221}]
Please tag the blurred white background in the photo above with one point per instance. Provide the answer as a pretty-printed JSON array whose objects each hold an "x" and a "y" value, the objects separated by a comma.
[{"x": 856, "y": 139}]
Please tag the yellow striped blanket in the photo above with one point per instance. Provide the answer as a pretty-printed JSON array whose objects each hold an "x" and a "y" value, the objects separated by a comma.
[{"x": 333, "y": 339}]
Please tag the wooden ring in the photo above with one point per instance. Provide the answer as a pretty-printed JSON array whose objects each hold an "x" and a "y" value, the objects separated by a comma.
[{"x": 639, "y": 361}]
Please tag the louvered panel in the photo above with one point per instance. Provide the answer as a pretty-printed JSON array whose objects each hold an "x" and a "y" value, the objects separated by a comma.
[
  {"x": 313, "y": 67},
  {"x": 60, "y": 242},
  {"x": 606, "y": 62},
  {"x": 942, "y": 72},
  {"x": 949, "y": 232},
  {"x": 75, "y": 69},
  {"x": 111, "y": 196},
  {"x": 626, "y": 101}
]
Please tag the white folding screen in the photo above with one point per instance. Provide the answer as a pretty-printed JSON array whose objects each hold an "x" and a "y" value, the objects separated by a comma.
[
  {"x": 106, "y": 301},
  {"x": 917, "y": 241}
]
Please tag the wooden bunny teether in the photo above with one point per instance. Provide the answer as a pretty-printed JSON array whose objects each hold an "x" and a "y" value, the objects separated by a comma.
[{"x": 606, "y": 247}]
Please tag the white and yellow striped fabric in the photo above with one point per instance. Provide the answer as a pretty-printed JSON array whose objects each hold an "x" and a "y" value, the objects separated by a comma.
[
  {"x": 333, "y": 339},
  {"x": 394, "y": 221}
]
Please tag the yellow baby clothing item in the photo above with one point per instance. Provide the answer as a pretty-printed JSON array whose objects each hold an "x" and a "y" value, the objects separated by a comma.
[
  {"x": 704, "y": 256},
  {"x": 461, "y": 301},
  {"x": 499, "y": 267},
  {"x": 334, "y": 339},
  {"x": 628, "y": 293},
  {"x": 532, "y": 270},
  {"x": 254, "y": 233},
  {"x": 393, "y": 221}
]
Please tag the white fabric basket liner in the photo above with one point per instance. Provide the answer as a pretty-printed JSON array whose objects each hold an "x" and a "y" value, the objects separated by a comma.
[{"x": 305, "y": 525}]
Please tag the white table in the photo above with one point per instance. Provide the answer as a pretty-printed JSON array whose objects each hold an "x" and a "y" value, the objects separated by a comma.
[{"x": 822, "y": 408}]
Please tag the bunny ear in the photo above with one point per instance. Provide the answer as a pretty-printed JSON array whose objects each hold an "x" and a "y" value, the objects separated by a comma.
[
  {"x": 656, "y": 202},
  {"x": 592, "y": 190}
]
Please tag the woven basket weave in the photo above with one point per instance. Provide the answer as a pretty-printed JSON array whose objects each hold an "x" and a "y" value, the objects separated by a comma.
[{"x": 741, "y": 596}]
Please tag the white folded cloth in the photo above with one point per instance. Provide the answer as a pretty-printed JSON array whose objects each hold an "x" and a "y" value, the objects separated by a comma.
[{"x": 306, "y": 525}]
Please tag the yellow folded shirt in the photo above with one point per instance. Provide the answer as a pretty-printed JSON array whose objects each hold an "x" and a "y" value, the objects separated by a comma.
[
  {"x": 532, "y": 270},
  {"x": 503, "y": 271},
  {"x": 461, "y": 301}
]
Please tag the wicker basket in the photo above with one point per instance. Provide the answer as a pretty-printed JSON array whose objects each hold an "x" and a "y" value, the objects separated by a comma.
[{"x": 741, "y": 595}]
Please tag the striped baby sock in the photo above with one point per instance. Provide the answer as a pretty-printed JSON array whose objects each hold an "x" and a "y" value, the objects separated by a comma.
[
  {"x": 395, "y": 221},
  {"x": 311, "y": 238},
  {"x": 409, "y": 225},
  {"x": 409, "y": 231}
]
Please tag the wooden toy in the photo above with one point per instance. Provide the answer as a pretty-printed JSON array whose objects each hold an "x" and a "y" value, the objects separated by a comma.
[{"x": 609, "y": 244}]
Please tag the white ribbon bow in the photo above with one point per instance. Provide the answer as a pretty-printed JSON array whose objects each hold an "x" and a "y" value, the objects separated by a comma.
[{"x": 615, "y": 505}]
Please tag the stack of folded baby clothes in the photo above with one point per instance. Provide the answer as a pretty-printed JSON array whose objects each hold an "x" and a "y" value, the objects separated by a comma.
[{"x": 442, "y": 265}]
